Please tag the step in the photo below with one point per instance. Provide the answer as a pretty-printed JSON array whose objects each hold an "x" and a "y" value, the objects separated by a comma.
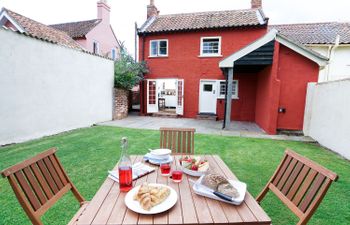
[
  {"x": 290, "y": 132},
  {"x": 165, "y": 115},
  {"x": 207, "y": 116}
]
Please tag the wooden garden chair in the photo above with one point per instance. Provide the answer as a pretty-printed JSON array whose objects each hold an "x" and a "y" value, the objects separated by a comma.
[
  {"x": 179, "y": 140},
  {"x": 39, "y": 182},
  {"x": 300, "y": 184}
]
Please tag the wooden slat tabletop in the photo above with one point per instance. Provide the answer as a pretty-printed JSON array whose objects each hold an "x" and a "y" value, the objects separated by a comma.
[{"x": 107, "y": 206}]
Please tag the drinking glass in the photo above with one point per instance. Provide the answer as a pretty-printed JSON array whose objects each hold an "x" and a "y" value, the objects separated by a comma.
[
  {"x": 177, "y": 176},
  {"x": 165, "y": 169}
]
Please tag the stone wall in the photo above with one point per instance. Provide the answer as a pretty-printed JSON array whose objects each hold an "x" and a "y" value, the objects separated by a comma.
[{"x": 121, "y": 106}]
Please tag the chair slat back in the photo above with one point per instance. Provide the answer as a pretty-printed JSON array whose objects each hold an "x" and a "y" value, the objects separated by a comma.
[
  {"x": 300, "y": 184},
  {"x": 39, "y": 182},
  {"x": 179, "y": 140}
]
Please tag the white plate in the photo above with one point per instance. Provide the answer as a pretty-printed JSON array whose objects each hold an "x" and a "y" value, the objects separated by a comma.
[
  {"x": 240, "y": 186},
  {"x": 158, "y": 162},
  {"x": 161, "y": 151},
  {"x": 193, "y": 172},
  {"x": 136, "y": 207}
]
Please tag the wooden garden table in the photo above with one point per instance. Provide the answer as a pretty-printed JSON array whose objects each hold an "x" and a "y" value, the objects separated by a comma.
[{"x": 107, "y": 206}]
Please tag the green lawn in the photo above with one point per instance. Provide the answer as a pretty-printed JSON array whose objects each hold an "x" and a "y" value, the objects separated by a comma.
[{"x": 87, "y": 154}]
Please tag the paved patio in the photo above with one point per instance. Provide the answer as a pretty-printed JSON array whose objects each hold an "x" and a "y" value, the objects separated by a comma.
[{"x": 237, "y": 128}]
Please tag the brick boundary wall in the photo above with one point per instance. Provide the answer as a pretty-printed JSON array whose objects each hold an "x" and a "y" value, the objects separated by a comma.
[{"x": 121, "y": 104}]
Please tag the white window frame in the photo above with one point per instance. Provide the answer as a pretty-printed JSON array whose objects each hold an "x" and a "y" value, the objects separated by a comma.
[
  {"x": 97, "y": 47},
  {"x": 234, "y": 95},
  {"x": 115, "y": 53},
  {"x": 210, "y": 54},
  {"x": 158, "y": 47}
]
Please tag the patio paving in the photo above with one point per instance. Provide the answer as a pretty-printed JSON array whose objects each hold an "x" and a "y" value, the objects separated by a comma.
[{"x": 237, "y": 128}]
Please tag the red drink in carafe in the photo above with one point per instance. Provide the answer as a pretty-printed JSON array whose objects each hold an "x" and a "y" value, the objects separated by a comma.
[
  {"x": 125, "y": 168},
  {"x": 125, "y": 178}
]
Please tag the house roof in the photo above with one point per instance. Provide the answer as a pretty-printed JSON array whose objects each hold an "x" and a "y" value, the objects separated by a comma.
[
  {"x": 204, "y": 20},
  {"x": 316, "y": 33},
  {"x": 77, "y": 29},
  {"x": 273, "y": 34},
  {"x": 41, "y": 31}
]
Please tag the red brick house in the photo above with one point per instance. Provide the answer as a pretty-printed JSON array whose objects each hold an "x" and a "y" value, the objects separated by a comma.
[{"x": 192, "y": 56}]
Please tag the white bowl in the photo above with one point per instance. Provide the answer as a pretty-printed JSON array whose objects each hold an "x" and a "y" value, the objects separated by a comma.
[
  {"x": 193, "y": 172},
  {"x": 160, "y": 152}
]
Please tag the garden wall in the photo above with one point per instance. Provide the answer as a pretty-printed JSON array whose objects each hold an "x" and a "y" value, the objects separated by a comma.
[
  {"x": 46, "y": 89},
  {"x": 327, "y": 113}
]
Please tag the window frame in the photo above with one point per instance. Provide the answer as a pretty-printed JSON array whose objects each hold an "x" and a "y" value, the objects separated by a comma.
[
  {"x": 158, "y": 48},
  {"x": 115, "y": 53},
  {"x": 234, "y": 96},
  {"x": 97, "y": 47},
  {"x": 210, "y": 54}
]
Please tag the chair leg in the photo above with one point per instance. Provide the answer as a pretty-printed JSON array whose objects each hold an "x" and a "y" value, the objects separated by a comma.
[{"x": 262, "y": 194}]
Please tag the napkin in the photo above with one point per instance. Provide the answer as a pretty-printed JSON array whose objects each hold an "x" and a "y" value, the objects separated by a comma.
[{"x": 138, "y": 170}]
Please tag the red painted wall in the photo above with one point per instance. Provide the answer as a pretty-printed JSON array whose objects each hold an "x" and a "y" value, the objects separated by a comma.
[
  {"x": 267, "y": 95},
  {"x": 243, "y": 108},
  {"x": 294, "y": 81},
  {"x": 183, "y": 60},
  {"x": 262, "y": 105}
]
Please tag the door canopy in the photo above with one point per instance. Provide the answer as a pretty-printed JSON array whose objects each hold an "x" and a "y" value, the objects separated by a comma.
[{"x": 251, "y": 53}]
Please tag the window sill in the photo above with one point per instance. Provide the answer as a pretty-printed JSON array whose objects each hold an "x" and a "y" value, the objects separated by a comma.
[
  {"x": 158, "y": 56},
  {"x": 223, "y": 98},
  {"x": 209, "y": 56}
]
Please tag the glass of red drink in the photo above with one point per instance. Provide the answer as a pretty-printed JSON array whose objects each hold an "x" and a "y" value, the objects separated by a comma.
[
  {"x": 177, "y": 176},
  {"x": 165, "y": 169},
  {"x": 125, "y": 178}
]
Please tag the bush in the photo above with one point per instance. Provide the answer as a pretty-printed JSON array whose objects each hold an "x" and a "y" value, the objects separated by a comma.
[{"x": 127, "y": 72}]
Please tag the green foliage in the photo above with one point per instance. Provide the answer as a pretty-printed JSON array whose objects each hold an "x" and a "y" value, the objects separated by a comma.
[
  {"x": 127, "y": 72},
  {"x": 87, "y": 155}
]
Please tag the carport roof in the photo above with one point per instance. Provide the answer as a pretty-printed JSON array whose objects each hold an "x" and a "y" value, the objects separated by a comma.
[{"x": 273, "y": 34}]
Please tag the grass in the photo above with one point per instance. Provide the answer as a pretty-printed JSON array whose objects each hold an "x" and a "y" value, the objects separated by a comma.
[{"x": 88, "y": 153}]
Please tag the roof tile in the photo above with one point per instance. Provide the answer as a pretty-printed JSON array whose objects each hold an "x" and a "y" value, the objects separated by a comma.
[
  {"x": 77, "y": 29},
  {"x": 316, "y": 33},
  {"x": 204, "y": 20},
  {"x": 42, "y": 31}
]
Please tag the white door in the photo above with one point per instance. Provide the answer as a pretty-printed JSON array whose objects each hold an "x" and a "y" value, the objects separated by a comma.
[
  {"x": 208, "y": 97},
  {"x": 180, "y": 97},
  {"x": 152, "y": 96}
]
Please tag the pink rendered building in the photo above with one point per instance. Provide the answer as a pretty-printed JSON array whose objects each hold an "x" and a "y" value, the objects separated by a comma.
[{"x": 94, "y": 35}]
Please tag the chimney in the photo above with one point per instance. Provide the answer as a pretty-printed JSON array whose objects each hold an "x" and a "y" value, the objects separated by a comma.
[
  {"x": 256, "y": 4},
  {"x": 103, "y": 11},
  {"x": 152, "y": 9}
]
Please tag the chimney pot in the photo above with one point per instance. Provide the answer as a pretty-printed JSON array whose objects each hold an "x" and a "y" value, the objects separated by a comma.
[
  {"x": 152, "y": 10},
  {"x": 103, "y": 11},
  {"x": 256, "y": 4}
]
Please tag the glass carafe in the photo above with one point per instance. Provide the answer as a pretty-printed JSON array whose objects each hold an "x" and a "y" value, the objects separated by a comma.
[{"x": 125, "y": 167}]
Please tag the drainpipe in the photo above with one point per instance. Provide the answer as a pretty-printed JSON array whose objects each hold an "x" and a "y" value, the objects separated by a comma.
[
  {"x": 331, "y": 53},
  {"x": 143, "y": 111},
  {"x": 136, "y": 31}
]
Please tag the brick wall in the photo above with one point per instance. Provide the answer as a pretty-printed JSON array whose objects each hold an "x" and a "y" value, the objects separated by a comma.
[{"x": 121, "y": 106}]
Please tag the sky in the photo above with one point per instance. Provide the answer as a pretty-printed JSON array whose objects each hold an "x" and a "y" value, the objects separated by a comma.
[{"x": 124, "y": 13}]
